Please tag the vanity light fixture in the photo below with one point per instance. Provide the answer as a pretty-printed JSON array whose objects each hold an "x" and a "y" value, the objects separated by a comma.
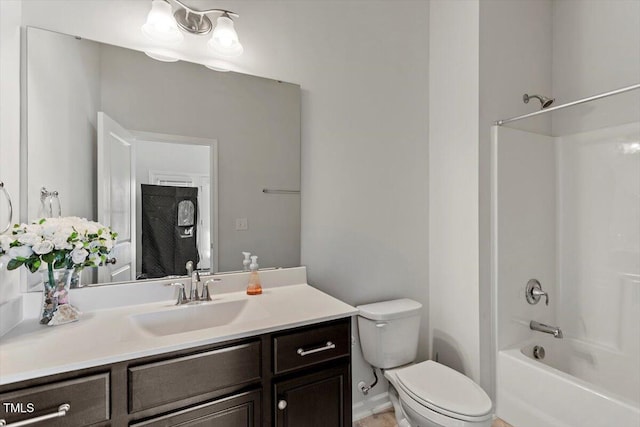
[{"x": 163, "y": 27}]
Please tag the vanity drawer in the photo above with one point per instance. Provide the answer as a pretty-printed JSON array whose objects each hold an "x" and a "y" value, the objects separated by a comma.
[
  {"x": 87, "y": 397},
  {"x": 309, "y": 346},
  {"x": 172, "y": 380},
  {"x": 233, "y": 411}
]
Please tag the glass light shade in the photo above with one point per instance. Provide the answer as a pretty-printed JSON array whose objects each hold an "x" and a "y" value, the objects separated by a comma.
[
  {"x": 224, "y": 39},
  {"x": 160, "y": 25},
  {"x": 160, "y": 55}
]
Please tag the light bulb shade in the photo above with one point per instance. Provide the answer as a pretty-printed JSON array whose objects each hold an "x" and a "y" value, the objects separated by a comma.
[
  {"x": 160, "y": 25},
  {"x": 161, "y": 55},
  {"x": 224, "y": 39}
]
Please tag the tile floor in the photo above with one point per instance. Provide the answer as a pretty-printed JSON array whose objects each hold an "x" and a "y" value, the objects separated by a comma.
[{"x": 388, "y": 419}]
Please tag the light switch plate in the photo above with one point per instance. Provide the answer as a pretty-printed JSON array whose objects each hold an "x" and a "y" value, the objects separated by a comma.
[{"x": 241, "y": 224}]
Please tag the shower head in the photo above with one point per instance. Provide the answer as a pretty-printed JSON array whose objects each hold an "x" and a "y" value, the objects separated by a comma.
[{"x": 544, "y": 101}]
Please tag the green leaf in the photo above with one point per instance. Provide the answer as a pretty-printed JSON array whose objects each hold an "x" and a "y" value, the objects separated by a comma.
[
  {"x": 100, "y": 232},
  {"x": 33, "y": 264},
  {"x": 73, "y": 236},
  {"x": 49, "y": 258},
  {"x": 60, "y": 260},
  {"x": 13, "y": 264},
  {"x": 42, "y": 221}
]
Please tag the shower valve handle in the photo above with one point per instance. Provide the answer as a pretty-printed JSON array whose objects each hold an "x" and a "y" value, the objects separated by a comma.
[{"x": 534, "y": 292}]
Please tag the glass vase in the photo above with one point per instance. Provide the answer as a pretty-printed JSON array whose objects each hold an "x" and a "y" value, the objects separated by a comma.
[{"x": 56, "y": 308}]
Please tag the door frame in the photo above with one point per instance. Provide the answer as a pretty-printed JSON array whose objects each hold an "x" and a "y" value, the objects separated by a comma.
[{"x": 212, "y": 143}]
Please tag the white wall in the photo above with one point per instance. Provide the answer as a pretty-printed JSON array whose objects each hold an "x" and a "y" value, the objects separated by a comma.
[
  {"x": 453, "y": 184},
  {"x": 10, "y": 14},
  {"x": 525, "y": 232},
  {"x": 515, "y": 58},
  {"x": 364, "y": 127},
  {"x": 63, "y": 99},
  {"x": 596, "y": 49}
]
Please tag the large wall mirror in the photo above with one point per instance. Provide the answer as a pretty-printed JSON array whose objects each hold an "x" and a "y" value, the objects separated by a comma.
[{"x": 183, "y": 162}]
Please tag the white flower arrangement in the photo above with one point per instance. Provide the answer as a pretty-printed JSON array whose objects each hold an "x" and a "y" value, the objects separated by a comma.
[{"x": 66, "y": 242}]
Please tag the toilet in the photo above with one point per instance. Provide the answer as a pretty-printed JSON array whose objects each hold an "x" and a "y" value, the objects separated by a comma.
[{"x": 425, "y": 394}]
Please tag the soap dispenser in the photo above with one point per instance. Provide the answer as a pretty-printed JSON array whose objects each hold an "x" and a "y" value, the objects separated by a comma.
[
  {"x": 246, "y": 261},
  {"x": 254, "y": 287}
]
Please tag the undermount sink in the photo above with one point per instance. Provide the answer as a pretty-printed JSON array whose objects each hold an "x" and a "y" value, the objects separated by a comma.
[{"x": 187, "y": 318}]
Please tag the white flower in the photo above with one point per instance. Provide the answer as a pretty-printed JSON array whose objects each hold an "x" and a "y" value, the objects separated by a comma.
[
  {"x": 20, "y": 252},
  {"x": 33, "y": 228},
  {"x": 95, "y": 259},
  {"x": 29, "y": 238},
  {"x": 78, "y": 256},
  {"x": 43, "y": 247},
  {"x": 60, "y": 242},
  {"x": 5, "y": 242},
  {"x": 108, "y": 243}
]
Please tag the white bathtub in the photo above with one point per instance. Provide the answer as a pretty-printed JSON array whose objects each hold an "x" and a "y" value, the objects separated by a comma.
[{"x": 575, "y": 385}]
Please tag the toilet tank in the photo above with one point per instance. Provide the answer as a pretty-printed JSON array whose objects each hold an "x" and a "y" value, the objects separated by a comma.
[{"x": 389, "y": 332}]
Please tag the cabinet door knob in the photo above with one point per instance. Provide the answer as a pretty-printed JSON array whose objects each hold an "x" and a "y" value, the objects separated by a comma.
[{"x": 282, "y": 404}]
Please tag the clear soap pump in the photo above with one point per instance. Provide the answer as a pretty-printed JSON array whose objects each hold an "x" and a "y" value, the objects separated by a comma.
[
  {"x": 246, "y": 261},
  {"x": 254, "y": 287}
]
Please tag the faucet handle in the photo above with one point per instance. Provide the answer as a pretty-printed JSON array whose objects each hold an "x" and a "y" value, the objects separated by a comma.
[
  {"x": 538, "y": 293},
  {"x": 206, "y": 295},
  {"x": 182, "y": 294},
  {"x": 534, "y": 291}
]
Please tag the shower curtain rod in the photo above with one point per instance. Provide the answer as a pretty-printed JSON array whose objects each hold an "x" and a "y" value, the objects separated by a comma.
[{"x": 569, "y": 104}]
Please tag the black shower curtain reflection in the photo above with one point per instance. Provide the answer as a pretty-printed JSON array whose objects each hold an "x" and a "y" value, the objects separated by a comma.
[{"x": 169, "y": 230}]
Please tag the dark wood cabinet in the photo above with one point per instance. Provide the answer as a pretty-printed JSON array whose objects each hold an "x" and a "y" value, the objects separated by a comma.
[
  {"x": 231, "y": 384},
  {"x": 314, "y": 400},
  {"x": 241, "y": 410}
]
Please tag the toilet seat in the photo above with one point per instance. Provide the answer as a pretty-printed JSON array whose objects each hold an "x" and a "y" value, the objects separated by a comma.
[{"x": 442, "y": 390}]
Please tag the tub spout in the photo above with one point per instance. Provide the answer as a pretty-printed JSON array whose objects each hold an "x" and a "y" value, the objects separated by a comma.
[{"x": 541, "y": 327}]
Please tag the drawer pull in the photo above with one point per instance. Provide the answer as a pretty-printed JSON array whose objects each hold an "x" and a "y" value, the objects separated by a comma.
[
  {"x": 62, "y": 411},
  {"x": 328, "y": 346},
  {"x": 282, "y": 404}
]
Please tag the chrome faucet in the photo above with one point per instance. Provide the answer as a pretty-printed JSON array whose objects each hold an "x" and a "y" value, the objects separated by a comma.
[
  {"x": 182, "y": 295},
  {"x": 541, "y": 327},
  {"x": 206, "y": 294},
  {"x": 195, "y": 279}
]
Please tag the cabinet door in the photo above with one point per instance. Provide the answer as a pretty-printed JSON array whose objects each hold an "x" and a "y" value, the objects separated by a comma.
[
  {"x": 321, "y": 399},
  {"x": 235, "y": 411}
]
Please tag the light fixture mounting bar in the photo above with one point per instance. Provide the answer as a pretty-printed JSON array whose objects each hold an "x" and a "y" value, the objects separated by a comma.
[{"x": 196, "y": 21}]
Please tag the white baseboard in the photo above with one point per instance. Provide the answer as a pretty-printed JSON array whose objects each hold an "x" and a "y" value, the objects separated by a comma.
[{"x": 371, "y": 405}]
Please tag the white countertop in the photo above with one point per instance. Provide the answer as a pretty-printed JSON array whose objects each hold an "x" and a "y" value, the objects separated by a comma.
[{"x": 109, "y": 335}]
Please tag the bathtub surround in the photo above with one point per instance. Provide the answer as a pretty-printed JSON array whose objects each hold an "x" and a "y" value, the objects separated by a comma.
[{"x": 576, "y": 228}]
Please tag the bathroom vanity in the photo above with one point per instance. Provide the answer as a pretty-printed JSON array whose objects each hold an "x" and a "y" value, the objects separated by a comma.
[{"x": 288, "y": 365}]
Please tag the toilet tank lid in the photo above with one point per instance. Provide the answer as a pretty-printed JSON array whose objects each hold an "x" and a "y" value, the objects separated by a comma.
[{"x": 386, "y": 310}]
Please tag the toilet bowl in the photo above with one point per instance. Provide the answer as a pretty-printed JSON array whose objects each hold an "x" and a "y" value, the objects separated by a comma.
[
  {"x": 429, "y": 394},
  {"x": 426, "y": 394}
]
